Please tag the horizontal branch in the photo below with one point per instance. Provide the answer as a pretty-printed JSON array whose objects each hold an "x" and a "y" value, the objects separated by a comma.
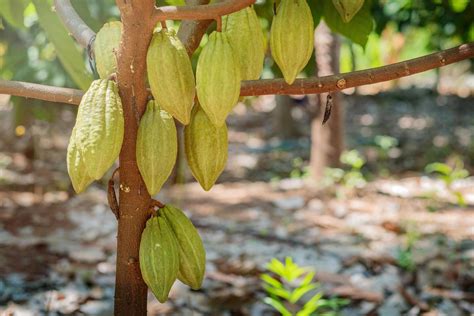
[
  {"x": 73, "y": 22},
  {"x": 41, "y": 92},
  {"x": 316, "y": 85},
  {"x": 313, "y": 85},
  {"x": 201, "y": 12}
]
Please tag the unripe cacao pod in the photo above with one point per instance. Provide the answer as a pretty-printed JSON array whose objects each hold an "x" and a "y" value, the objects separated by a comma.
[
  {"x": 106, "y": 44},
  {"x": 246, "y": 37},
  {"x": 159, "y": 257},
  {"x": 206, "y": 148},
  {"x": 218, "y": 78},
  {"x": 76, "y": 167},
  {"x": 157, "y": 147},
  {"x": 100, "y": 127},
  {"x": 291, "y": 37},
  {"x": 348, "y": 8},
  {"x": 170, "y": 75},
  {"x": 192, "y": 255}
]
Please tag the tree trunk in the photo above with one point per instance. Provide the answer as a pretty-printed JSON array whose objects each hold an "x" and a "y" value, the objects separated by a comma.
[
  {"x": 130, "y": 289},
  {"x": 284, "y": 125},
  {"x": 328, "y": 140}
]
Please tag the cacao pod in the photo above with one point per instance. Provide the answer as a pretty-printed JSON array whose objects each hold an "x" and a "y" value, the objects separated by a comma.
[
  {"x": 157, "y": 147},
  {"x": 106, "y": 44},
  {"x": 192, "y": 255},
  {"x": 100, "y": 127},
  {"x": 159, "y": 257},
  {"x": 218, "y": 78},
  {"x": 348, "y": 8},
  {"x": 76, "y": 167},
  {"x": 246, "y": 37},
  {"x": 291, "y": 37},
  {"x": 170, "y": 75},
  {"x": 206, "y": 148}
]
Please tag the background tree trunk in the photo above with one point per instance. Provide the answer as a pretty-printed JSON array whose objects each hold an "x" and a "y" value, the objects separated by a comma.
[
  {"x": 327, "y": 142},
  {"x": 284, "y": 125}
]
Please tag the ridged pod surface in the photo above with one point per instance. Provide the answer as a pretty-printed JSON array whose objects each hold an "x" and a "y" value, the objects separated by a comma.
[
  {"x": 291, "y": 37},
  {"x": 100, "y": 127},
  {"x": 192, "y": 255},
  {"x": 106, "y": 44},
  {"x": 218, "y": 78},
  {"x": 246, "y": 36},
  {"x": 76, "y": 167},
  {"x": 171, "y": 76},
  {"x": 157, "y": 147},
  {"x": 348, "y": 8},
  {"x": 159, "y": 257},
  {"x": 206, "y": 148}
]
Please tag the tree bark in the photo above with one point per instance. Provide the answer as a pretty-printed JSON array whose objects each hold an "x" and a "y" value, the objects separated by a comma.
[
  {"x": 284, "y": 125},
  {"x": 327, "y": 142},
  {"x": 130, "y": 289}
]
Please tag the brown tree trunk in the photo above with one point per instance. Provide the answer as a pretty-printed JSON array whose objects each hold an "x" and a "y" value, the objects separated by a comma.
[
  {"x": 130, "y": 289},
  {"x": 328, "y": 140},
  {"x": 284, "y": 125}
]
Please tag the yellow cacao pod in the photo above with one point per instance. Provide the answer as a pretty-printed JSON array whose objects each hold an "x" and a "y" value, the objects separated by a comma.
[
  {"x": 246, "y": 37},
  {"x": 159, "y": 257},
  {"x": 171, "y": 76},
  {"x": 76, "y": 166},
  {"x": 218, "y": 78},
  {"x": 206, "y": 148},
  {"x": 157, "y": 147},
  {"x": 348, "y": 8},
  {"x": 192, "y": 255},
  {"x": 100, "y": 127},
  {"x": 106, "y": 45},
  {"x": 291, "y": 37}
]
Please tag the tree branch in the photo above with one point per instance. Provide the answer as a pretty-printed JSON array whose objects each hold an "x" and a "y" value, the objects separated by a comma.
[
  {"x": 73, "y": 22},
  {"x": 41, "y": 92},
  {"x": 313, "y": 85},
  {"x": 191, "y": 32},
  {"x": 316, "y": 85}
]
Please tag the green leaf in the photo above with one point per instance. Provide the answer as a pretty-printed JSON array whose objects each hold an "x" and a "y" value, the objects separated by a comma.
[
  {"x": 458, "y": 5},
  {"x": 68, "y": 52},
  {"x": 439, "y": 167},
  {"x": 277, "y": 305},
  {"x": 299, "y": 292},
  {"x": 311, "y": 305},
  {"x": 271, "y": 281},
  {"x": 357, "y": 30},
  {"x": 12, "y": 11}
]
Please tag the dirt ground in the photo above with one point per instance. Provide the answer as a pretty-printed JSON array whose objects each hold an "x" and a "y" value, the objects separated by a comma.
[{"x": 57, "y": 249}]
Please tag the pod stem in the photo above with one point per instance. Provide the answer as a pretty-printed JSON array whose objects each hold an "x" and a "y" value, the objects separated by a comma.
[{"x": 219, "y": 23}]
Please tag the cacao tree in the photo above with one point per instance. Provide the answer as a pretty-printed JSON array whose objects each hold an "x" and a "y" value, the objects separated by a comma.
[{"x": 146, "y": 79}]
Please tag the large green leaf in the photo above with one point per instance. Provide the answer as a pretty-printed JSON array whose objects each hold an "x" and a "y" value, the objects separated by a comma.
[
  {"x": 68, "y": 52},
  {"x": 12, "y": 12},
  {"x": 358, "y": 29}
]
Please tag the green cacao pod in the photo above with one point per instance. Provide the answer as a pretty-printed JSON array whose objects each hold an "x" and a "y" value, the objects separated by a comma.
[
  {"x": 245, "y": 34},
  {"x": 171, "y": 76},
  {"x": 157, "y": 147},
  {"x": 206, "y": 148},
  {"x": 192, "y": 255},
  {"x": 218, "y": 78},
  {"x": 292, "y": 37},
  {"x": 106, "y": 44},
  {"x": 76, "y": 167},
  {"x": 100, "y": 127},
  {"x": 159, "y": 257},
  {"x": 348, "y": 8}
]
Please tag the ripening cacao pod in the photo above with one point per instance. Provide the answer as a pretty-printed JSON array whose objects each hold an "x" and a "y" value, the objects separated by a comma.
[
  {"x": 170, "y": 74},
  {"x": 76, "y": 166},
  {"x": 206, "y": 148},
  {"x": 192, "y": 255},
  {"x": 100, "y": 127},
  {"x": 291, "y": 37},
  {"x": 157, "y": 147},
  {"x": 159, "y": 257},
  {"x": 246, "y": 37},
  {"x": 106, "y": 44},
  {"x": 348, "y": 8},
  {"x": 218, "y": 78}
]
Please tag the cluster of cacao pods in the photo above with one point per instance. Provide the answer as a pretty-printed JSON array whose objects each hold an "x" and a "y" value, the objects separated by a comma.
[{"x": 170, "y": 249}]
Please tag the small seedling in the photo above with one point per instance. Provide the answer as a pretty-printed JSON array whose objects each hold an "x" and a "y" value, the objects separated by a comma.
[{"x": 292, "y": 291}]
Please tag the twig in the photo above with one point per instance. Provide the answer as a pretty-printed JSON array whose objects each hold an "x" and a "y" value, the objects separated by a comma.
[{"x": 73, "y": 22}]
